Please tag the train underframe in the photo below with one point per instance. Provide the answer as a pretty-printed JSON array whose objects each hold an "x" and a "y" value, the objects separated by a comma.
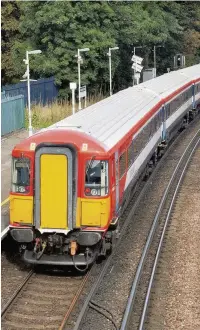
[{"x": 78, "y": 248}]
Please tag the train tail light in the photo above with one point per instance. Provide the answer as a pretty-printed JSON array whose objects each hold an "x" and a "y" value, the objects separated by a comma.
[
  {"x": 88, "y": 191},
  {"x": 92, "y": 192}
]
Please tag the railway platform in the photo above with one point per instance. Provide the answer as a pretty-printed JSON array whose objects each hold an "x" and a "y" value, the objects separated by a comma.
[{"x": 7, "y": 144}]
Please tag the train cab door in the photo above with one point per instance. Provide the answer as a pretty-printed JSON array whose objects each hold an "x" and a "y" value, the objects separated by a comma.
[{"x": 53, "y": 188}]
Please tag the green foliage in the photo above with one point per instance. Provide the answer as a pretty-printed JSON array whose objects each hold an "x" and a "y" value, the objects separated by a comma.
[
  {"x": 45, "y": 116},
  {"x": 9, "y": 34},
  {"x": 59, "y": 28}
]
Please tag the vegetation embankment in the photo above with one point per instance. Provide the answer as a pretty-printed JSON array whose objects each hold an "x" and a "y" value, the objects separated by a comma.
[{"x": 44, "y": 116}]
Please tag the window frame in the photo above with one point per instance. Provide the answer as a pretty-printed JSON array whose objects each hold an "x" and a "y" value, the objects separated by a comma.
[
  {"x": 14, "y": 173},
  {"x": 130, "y": 151},
  {"x": 99, "y": 186},
  {"x": 124, "y": 153}
]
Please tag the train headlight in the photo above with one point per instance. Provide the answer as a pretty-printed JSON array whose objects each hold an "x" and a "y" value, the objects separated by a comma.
[
  {"x": 94, "y": 192},
  {"x": 21, "y": 189}
]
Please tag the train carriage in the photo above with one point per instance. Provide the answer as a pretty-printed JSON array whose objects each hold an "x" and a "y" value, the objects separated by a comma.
[{"x": 70, "y": 179}]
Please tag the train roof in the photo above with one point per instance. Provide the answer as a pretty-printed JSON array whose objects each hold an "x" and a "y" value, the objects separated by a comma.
[
  {"x": 109, "y": 120},
  {"x": 170, "y": 82}
]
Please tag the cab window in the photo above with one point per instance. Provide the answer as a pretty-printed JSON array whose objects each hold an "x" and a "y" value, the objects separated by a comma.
[
  {"x": 20, "y": 175},
  {"x": 96, "y": 178}
]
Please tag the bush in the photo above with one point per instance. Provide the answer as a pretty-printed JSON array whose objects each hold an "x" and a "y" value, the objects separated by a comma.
[{"x": 44, "y": 116}]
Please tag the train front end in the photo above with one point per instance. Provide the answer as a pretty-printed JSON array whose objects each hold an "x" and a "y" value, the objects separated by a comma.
[{"x": 60, "y": 203}]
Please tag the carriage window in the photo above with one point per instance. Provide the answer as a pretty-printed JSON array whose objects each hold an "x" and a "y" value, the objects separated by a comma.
[
  {"x": 138, "y": 144},
  {"x": 197, "y": 88},
  {"x": 130, "y": 154},
  {"x": 96, "y": 178},
  {"x": 122, "y": 164},
  {"x": 146, "y": 132},
  {"x": 21, "y": 175},
  {"x": 167, "y": 110}
]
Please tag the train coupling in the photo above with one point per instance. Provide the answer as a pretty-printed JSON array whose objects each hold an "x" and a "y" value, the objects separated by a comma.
[
  {"x": 39, "y": 248},
  {"x": 73, "y": 248}
]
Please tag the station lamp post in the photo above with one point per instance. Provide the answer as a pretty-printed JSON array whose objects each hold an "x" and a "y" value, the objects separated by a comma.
[
  {"x": 79, "y": 60},
  {"x": 154, "y": 58},
  {"x": 110, "y": 66},
  {"x": 27, "y": 75},
  {"x": 72, "y": 86}
]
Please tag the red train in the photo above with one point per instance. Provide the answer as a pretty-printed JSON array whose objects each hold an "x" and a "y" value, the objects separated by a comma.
[{"x": 70, "y": 180}]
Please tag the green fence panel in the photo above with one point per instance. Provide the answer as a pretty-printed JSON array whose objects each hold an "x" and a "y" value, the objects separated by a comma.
[{"x": 12, "y": 114}]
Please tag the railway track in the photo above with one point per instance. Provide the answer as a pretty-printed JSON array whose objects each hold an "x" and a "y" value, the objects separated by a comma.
[
  {"x": 43, "y": 301},
  {"x": 36, "y": 299},
  {"x": 152, "y": 250},
  {"x": 172, "y": 302},
  {"x": 97, "y": 302},
  {"x": 13, "y": 270}
]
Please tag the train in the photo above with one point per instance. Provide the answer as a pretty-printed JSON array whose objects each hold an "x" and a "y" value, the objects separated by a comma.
[{"x": 71, "y": 179}]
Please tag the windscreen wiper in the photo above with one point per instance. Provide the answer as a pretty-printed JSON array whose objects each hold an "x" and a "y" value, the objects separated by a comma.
[{"x": 90, "y": 164}]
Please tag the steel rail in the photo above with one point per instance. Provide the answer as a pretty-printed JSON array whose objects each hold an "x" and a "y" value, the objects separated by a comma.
[
  {"x": 75, "y": 299},
  {"x": 15, "y": 294},
  {"x": 129, "y": 306},
  {"x": 144, "y": 311},
  {"x": 69, "y": 309},
  {"x": 95, "y": 286}
]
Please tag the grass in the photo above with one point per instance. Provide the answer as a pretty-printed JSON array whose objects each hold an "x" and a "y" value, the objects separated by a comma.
[{"x": 44, "y": 116}]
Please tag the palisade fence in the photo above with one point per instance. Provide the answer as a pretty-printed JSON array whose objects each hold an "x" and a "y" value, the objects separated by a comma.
[
  {"x": 12, "y": 113},
  {"x": 43, "y": 91}
]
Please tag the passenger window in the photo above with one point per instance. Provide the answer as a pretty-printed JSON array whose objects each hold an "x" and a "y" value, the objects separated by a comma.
[
  {"x": 145, "y": 133},
  {"x": 155, "y": 122},
  {"x": 122, "y": 164},
  {"x": 167, "y": 109},
  {"x": 130, "y": 154},
  {"x": 96, "y": 178},
  {"x": 149, "y": 131},
  {"x": 138, "y": 144}
]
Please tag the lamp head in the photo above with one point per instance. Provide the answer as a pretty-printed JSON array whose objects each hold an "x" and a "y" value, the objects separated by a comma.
[
  {"x": 84, "y": 49},
  {"x": 37, "y": 51},
  {"x": 114, "y": 48}
]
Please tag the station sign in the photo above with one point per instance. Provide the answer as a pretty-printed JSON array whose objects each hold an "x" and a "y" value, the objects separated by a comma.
[
  {"x": 72, "y": 85},
  {"x": 137, "y": 75},
  {"x": 137, "y": 59},
  {"x": 83, "y": 91},
  {"x": 137, "y": 67}
]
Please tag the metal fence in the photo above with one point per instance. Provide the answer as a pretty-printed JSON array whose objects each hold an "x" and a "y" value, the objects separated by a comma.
[
  {"x": 43, "y": 91},
  {"x": 12, "y": 113}
]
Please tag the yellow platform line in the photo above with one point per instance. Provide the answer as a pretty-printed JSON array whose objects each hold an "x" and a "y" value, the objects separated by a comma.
[{"x": 5, "y": 201}]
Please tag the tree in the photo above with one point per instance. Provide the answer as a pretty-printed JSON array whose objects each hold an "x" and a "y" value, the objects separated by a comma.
[
  {"x": 146, "y": 24},
  {"x": 9, "y": 33},
  {"x": 60, "y": 28},
  {"x": 190, "y": 18}
]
